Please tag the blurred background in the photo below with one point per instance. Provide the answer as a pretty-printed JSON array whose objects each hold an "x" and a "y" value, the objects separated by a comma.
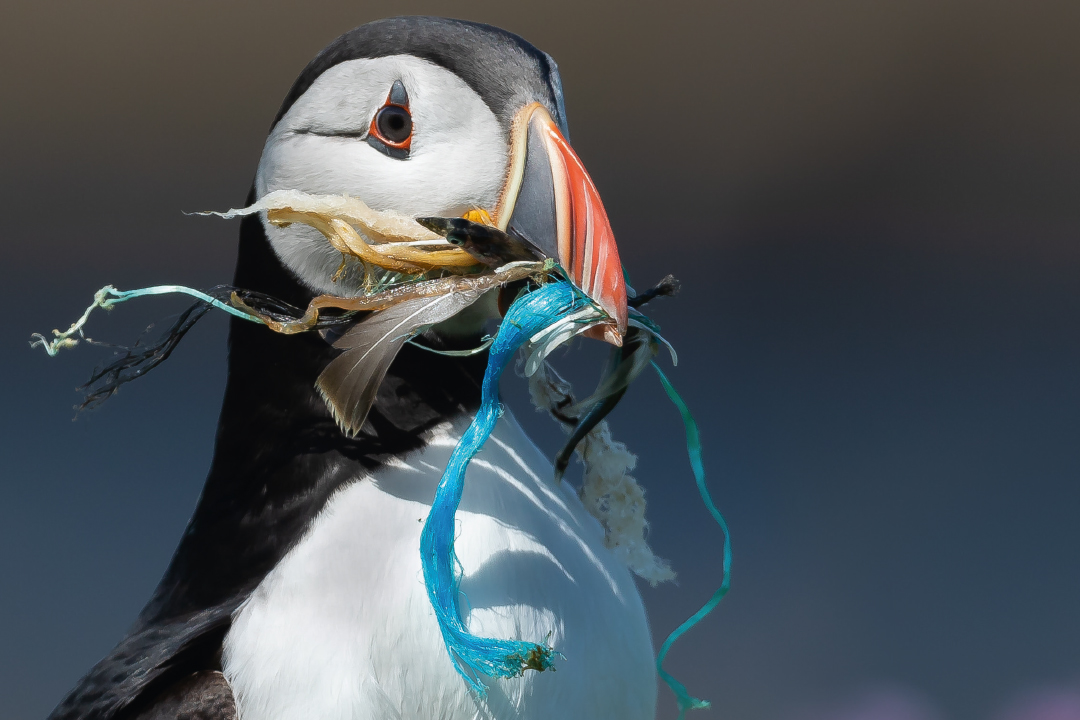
[{"x": 874, "y": 208}]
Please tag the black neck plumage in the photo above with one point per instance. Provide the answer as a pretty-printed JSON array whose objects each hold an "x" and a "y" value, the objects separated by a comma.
[
  {"x": 278, "y": 457},
  {"x": 279, "y": 454}
]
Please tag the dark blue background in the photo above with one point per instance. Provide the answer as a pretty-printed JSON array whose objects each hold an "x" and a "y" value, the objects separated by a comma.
[{"x": 873, "y": 208}]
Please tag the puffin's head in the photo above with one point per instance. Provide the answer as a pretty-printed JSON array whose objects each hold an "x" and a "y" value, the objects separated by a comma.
[{"x": 435, "y": 117}]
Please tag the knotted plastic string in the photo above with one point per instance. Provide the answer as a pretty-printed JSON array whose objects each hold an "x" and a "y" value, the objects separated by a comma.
[
  {"x": 693, "y": 448},
  {"x": 472, "y": 655}
]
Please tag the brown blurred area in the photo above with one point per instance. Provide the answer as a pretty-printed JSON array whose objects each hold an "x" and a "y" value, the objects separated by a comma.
[
  {"x": 874, "y": 207},
  {"x": 708, "y": 114}
]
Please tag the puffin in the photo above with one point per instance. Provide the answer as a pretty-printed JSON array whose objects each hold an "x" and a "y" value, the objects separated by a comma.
[{"x": 296, "y": 591}]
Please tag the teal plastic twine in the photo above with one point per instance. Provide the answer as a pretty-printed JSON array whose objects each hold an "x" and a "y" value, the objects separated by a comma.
[
  {"x": 472, "y": 655},
  {"x": 693, "y": 449},
  {"x": 115, "y": 297},
  {"x": 108, "y": 296}
]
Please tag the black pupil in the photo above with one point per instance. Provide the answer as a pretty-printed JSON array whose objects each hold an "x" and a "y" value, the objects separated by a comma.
[{"x": 394, "y": 123}]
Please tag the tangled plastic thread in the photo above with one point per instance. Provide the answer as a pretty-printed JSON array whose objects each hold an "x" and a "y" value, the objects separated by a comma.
[
  {"x": 545, "y": 317},
  {"x": 529, "y": 315},
  {"x": 527, "y": 318},
  {"x": 693, "y": 448}
]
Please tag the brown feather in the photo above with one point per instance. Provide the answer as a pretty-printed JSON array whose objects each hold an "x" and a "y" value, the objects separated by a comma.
[{"x": 349, "y": 383}]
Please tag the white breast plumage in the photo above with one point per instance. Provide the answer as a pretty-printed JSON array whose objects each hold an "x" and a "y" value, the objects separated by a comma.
[{"x": 342, "y": 628}]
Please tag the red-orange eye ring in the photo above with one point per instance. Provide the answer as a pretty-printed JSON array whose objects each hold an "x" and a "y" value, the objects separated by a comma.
[{"x": 391, "y": 129}]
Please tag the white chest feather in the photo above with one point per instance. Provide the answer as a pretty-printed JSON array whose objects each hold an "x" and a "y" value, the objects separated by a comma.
[{"x": 342, "y": 628}]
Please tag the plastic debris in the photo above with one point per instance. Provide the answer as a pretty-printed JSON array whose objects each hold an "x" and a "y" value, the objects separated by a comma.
[{"x": 413, "y": 279}]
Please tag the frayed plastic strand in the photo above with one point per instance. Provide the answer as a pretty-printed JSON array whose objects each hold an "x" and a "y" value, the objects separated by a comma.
[
  {"x": 536, "y": 323},
  {"x": 108, "y": 296},
  {"x": 561, "y": 330},
  {"x": 132, "y": 362},
  {"x": 472, "y": 656},
  {"x": 693, "y": 448}
]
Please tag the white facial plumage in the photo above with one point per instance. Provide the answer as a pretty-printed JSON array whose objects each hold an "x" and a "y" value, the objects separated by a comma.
[{"x": 457, "y": 161}]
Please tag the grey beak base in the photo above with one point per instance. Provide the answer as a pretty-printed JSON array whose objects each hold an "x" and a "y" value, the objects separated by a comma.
[{"x": 534, "y": 216}]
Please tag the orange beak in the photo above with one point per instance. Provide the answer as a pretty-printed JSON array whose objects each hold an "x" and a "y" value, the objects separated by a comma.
[{"x": 551, "y": 202}]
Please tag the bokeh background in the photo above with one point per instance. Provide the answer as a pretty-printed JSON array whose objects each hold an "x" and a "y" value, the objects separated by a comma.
[{"x": 874, "y": 208}]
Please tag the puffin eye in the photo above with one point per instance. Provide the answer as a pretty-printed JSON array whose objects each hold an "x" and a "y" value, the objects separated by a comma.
[
  {"x": 391, "y": 128},
  {"x": 394, "y": 124}
]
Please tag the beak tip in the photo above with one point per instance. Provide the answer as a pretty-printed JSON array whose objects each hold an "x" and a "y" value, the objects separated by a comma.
[
  {"x": 607, "y": 332},
  {"x": 613, "y": 336}
]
